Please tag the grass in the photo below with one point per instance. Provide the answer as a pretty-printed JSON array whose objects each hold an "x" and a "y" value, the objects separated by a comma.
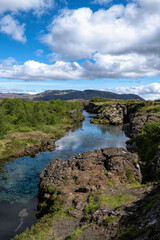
[
  {"x": 76, "y": 234},
  {"x": 116, "y": 200},
  {"x": 131, "y": 233},
  {"x": 150, "y": 109},
  {"x": 108, "y": 220},
  {"x": 110, "y": 183},
  {"x": 43, "y": 229},
  {"x": 90, "y": 208},
  {"x": 40, "y": 231},
  {"x": 53, "y": 204},
  {"x": 9, "y": 147},
  {"x": 24, "y": 124},
  {"x": 148, "y": 142}
]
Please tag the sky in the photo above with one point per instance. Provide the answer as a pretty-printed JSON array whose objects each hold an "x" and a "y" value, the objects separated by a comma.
[{"x": 110, "y": 45}]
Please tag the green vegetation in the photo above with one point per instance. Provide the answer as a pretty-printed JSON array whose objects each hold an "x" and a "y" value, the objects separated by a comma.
[
  {"x": 109, "y": 220},
  {"x": 132, "y": 180},
  {"x": 53, "y": 204},
  {"x": 105, "y": 100},
  {"x": 153, "y": 108},
  {"x": 116, "y": 200},
  {"x": 76, "y": 234},
  {"x": 91, "y": 207},
  {"x": 99, "y": 99},
  {"x": 24, "y": 123},
  {"x": 110, "y": 183},
  {"x": 131, "y": 233},
  {"x": 152, "y": 200},
  {"x": 148, "y": 142},
  {"x": 143, "y": 106},
  {"x": 43, "y": 229},
  {"x": 40, "y": 231}
]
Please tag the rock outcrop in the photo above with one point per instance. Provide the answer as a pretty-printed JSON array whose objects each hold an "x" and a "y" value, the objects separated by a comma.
[
  {"x": 79, "y": 185},
  {"x": 111, "y": 114},
  {"x": 135, "y": 126},
  {"x": 95, "y": 189},
  {"x": 137, "y": 122}
]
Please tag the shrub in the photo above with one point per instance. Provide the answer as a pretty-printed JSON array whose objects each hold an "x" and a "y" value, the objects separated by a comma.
[{"x": 148, "y": 142}]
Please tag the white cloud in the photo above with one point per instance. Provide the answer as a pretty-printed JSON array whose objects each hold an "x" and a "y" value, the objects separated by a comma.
[
  {"x": 104, "y": 66},
  {"x": 122, "y": 66},
  {"x": 13, "y": 28},
  {"x": 39, "y": 6},
  {"x": 32, "y": 70},
  {"x": 102, "y": 2},
  {"x": 8, "y": 62},
  {"x": 122, "y": 41},
  {"x": 150, "y": 91},
  {"x": 80, "y": 33},
  {"x": 16, "y": 90},
  {"x": 39, "y": 52}
]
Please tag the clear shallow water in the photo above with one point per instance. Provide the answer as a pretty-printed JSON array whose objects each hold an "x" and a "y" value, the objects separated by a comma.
[{"x": 18, "y": 179}]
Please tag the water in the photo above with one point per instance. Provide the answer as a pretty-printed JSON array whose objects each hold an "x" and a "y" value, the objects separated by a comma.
[{"x": 18, "y": 179}]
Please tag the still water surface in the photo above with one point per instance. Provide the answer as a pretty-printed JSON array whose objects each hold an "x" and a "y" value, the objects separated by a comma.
[{"x": 19, "y": 178}]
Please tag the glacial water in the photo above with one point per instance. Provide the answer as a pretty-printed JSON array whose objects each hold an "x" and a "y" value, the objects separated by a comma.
[{"x": 19, "y": 178}]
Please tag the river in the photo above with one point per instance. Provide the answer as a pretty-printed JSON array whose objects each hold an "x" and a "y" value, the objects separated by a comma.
[{"x": 19, "y": 178}]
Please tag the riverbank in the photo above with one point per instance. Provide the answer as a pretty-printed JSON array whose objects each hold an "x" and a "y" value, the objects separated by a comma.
[{"x": 30, "y": 127}]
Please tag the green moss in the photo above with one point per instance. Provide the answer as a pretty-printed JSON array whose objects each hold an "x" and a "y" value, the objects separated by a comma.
[
  {"x": 151, "y": 201},
  {"x": 130, "y": 234},
  {"x": 50, "y": 189},
  {"x": 109, "y": 220},
  {"x": 57, "y": 205},
  {"x": 150, "y": 109},
  {"x": 110, "y": 183},
  {"x": 41, "y": 206},
  {"x": 76, "y": 234},
  {"x": 148, "y": 142},
  {"x": 40, "y": 231},
  {"x": 99, "y": 120},
  {"x": 116, "y": 200},
  {"x": 91, "y": 207},
  {"x": 137, "y": 184},
  {"x": 131, "y": 179},
  {"x": 43, "y": 229}
]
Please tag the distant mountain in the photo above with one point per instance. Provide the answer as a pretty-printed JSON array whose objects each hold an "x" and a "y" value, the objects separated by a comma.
[{"x": 71, "y": 94}]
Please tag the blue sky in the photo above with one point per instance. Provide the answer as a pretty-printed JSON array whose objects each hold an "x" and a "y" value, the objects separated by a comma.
[{"x": 66, "y": 44}]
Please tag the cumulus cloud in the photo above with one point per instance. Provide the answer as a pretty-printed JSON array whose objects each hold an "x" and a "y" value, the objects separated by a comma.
[
  {"x": 104, "y": 66},
  {"x": 80, "y": 33},
  {"x": 32, "y": 70},
  {"x": 122, "y": 41},
  {"x": 150, "y": 91},
  {"x": 13, "y": 28},
  {"x": 39, "y": 6}
]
